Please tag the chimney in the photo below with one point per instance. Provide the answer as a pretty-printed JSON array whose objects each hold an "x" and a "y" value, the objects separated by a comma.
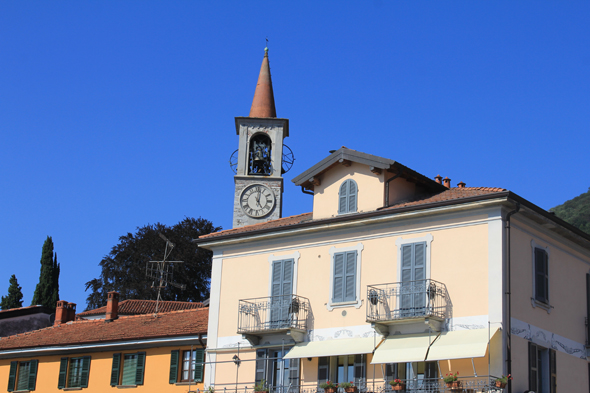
[
  {"x": 61, "y": 312},
  {"x": 438, "y": 179},
  {"x": 71, "y": 312},
  {"x": 447, "y": 182},
  {"x": 461, "y": 185},
  {"x": 112, "y": 306}
]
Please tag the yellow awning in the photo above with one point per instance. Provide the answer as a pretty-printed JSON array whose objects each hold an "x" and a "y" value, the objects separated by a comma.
[
  {"x": 461, "y": 344},
  {"x": 400, "y": 349},
  {"x": 345, "y": 346}
]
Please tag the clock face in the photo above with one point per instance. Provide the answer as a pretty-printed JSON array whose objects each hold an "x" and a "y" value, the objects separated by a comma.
[{"x": 257, "y": 200}]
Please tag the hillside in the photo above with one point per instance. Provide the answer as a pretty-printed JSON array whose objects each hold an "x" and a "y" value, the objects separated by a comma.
[{"x": 576, "y": 211}]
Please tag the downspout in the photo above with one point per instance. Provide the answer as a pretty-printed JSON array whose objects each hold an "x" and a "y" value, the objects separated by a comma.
[
  {"x": 509, "y": 296},
  {"x": 306, "y": 192},
  {"x": 387, "y": 186}
]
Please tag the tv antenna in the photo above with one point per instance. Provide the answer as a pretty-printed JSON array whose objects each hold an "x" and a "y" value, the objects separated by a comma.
[{"x": 161, "y": 271}]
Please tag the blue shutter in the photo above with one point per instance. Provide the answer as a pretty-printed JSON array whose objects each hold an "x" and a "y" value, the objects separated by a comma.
[
  {"x": 85, "y": 372},
  {"x": 33, "y": 374},
  {"x": 352, "y": 196},
  {"x": 338, "y": 295},
  {"x": 347, "y": 197},
  {"x": 419, "y": 277},
  {"x": 140, "y": 368},
  {"x": 115, "y": 369},
  {"x": 12, "y": 376},
  {"x": 174, "y": 366},
  {"x": 350, "y": 276},
  {"x": 63, "y": 372},
  {"x": 343, "y": 198}
]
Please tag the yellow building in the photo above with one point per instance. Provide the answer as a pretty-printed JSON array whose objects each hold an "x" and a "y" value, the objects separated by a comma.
[
  {"x": 393, "y": 275},
  {"x": 152, "y": 353}
]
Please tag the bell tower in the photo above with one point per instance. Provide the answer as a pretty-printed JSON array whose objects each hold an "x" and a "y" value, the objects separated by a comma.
[{"x": 258, "y": 164}]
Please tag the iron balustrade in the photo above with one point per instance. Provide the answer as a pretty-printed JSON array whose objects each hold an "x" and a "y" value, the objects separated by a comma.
[
  {"x": 273, "y": 313},
  {"x": 404, "y": 300}
]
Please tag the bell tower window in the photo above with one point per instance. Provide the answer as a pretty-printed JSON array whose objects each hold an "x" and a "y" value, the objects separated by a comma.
[{"x": 259, "y": 160}]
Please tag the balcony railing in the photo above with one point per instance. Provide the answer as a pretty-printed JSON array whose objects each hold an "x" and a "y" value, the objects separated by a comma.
[
  {"x": 406, "y": 300},
  {"x": 267, "y": 314}
]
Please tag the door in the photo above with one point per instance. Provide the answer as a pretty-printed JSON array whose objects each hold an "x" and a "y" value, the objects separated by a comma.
[
  {"x": 413, "y": 280},
  {"x": 281, "y": 292}
]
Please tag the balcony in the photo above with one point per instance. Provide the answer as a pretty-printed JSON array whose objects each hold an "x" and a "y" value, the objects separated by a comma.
[
  {"x": 407, "y": 302},
  {"x": 286, "y": 314}
]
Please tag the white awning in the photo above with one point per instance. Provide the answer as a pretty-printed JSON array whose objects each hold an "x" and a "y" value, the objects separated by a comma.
[
  {"x": 401, "y": 349},
  {"x": 461, "y": 344},
  {"x": 345, "y": 346}
]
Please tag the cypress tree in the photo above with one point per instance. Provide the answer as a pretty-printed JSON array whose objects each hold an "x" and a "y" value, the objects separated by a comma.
[
  {"x": 15, "y": 295},
  {"x": 47, "y": 290}
]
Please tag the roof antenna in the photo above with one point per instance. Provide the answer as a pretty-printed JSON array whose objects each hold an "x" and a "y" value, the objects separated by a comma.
[{"x": 161, "y": 271}]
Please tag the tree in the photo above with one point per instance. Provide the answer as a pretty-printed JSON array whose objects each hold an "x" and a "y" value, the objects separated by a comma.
[
  {"x": 47, "y": 290},
  {"x": 15, "y": 295},
  {"x": 576, "y": 211},
  {"x": 124, "y": 268}
]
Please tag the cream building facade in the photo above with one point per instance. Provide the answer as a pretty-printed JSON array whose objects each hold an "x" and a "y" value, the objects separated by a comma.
[{"x": 394, "y": 275}]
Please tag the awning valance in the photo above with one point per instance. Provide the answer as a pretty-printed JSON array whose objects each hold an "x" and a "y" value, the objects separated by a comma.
[
  {"x": 345, "y": 346},
  {"x": 461, "y": 344},
  {"x": 401, "y": 349}
]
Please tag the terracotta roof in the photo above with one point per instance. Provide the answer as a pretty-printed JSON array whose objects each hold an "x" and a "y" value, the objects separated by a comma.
[
  {"x": 176, "y": 323},
  {"x": 25, "y": 310},
  {"x": 138, "y": 306},
  {"x": 447, "y": 195},
  {"x": 263, "y": 104}
]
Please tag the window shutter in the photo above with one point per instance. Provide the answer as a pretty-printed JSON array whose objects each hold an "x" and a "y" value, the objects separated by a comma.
[
  {"x": 352, "y": 193},
  {"x": 85, "y": 372},
  {"x": 174, "y": 365},
  {"x": 323, "y": 368},
  {"x": 359, "y": 369},
  {"x": 350, "y": 269},
  {"x": 115, "y": 369},
  {"x": 553, "y": 371},
  {"x": 287, "y": 277},
  {"x": 276, "y": 278},
  {"x": 33, "y": 374},
  {"x": 343, "y": 198},
  {"x": 12, "y": 376},
  {"x": 140, "y": 368},
  {"x": 532, "y": 366},
  {"x": 200, "y": 358},
  {"x": 338, "y": 295},
  {"x": 63, "y": 372},
  {"x": 260, "y": 356},
  {"x": 541, "y": 276}
]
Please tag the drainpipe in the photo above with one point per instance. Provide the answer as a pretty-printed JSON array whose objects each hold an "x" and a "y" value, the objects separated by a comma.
[
  {"x": 509, "y": 295},
  {"x": 387, "y": 186},
  {"x": 306, "y": 192}
]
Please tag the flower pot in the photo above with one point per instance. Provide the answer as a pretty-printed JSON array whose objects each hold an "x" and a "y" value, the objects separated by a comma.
[
  {"x": 500, "y": 384},
  {"x": 400, "y": 386},
  {"x": 454, "y": 385},
  {"x": 352, "y": 389},
  {"x": 329, "y": 390}
]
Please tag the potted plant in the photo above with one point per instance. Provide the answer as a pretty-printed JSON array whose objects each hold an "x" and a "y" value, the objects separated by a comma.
[
  {"x": 397, "y": 384},
  {"x": 261, "y": 386},
  {"x": 349, "y": 387},
  {"x": 452, "y": 380},
  {"x": 209, "y": 389},
  {"x": 329, "y": 386},
  {"x": 502, "y": 381}
]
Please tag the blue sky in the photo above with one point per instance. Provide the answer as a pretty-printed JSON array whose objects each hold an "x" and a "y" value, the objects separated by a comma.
[{"x": 116, "y": 114}]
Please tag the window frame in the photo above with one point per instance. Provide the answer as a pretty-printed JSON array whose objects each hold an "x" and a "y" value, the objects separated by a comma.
[
  {"x": 330, "y": 364},
  {"x": 347, "y": 209},
  {"x": 544, "y": 304},
  {"x": 118, "y": 367},
  {"x": 65, "y": 370},
  {"x": 400, "y": 242},
  {"x": 357, "y": 301},
  {"x": 15, "y": 373}
]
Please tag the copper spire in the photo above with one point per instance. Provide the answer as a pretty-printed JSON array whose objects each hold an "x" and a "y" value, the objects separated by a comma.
[{"x": 263, "y": 104}]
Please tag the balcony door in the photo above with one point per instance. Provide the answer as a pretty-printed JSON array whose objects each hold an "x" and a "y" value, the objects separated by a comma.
[
  {"x": 413, "y": 280},
  {"x": 281, "y": 292}
]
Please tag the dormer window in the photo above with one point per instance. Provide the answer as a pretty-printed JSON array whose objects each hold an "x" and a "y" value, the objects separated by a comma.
[{"x": 347, "y": 197}]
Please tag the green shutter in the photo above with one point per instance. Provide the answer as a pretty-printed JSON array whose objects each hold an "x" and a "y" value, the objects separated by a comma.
[
  {"x": 140, "y": 368},
  {"x": 63, "y": 373},
  {"x": 33, "y": 374},
  {"x": 85, "y": 372},
  {"x": 12, "y": 376},
  {"x": 174, "y": 366},
  {"x": 200, "y": 358},
  {"x": 116, "y": 369}
]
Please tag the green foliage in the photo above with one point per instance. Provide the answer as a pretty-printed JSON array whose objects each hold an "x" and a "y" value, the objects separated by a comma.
[
  {"x": 47, "y": 290},
  {"x": 124, "y": 268},
  {"x": 14, "y": 299},
  {"x": 576, "y": 211}
]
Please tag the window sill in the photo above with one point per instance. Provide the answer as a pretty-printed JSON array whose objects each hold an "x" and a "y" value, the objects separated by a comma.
[
  {"x": 352, "y": 303},
  {"x": 68, "y": 389},
  {"x": 193, "y": 383},
  {"x": 21, "y": 391},
  {"x": 126, "y": 386},
  {"x": 545, "y": 306}
]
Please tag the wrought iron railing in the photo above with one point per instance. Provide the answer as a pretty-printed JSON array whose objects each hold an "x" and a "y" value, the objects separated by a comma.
[
  {"x": 404, "y": 300},
  {"x": 273, "y": 313}
]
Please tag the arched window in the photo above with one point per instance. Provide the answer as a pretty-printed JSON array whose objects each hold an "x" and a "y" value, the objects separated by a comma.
[
  {"x": 347, "y": 197},
  {"x": 259, "y": 160}
]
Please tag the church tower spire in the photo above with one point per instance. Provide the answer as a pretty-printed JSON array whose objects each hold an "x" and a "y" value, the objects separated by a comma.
[
  {"x": 259, "y": 166},
  {"x": 263, "y": 104}
]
